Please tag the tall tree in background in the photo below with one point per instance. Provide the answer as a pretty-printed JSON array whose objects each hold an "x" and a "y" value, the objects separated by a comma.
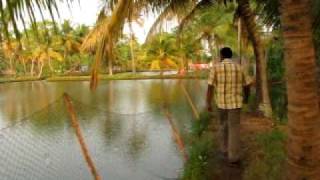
[
  {"x": 303, "y": 106},
  {"x": 249, "y": 20},
  {"x": 133, "y": 61},
  {"x": 134, "y": 17}
]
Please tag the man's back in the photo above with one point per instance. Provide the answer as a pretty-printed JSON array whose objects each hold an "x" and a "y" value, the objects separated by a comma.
[{"x": 228, "y": 80}]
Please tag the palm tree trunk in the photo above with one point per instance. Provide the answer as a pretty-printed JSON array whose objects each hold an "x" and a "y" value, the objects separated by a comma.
[
  {"x": 32, "y": 68},
  {"x": 239, "y": 40},
  {"x": 110, "y": 70},
  {"x": 24, "y": 66},
  {"x": 50, "y": 65},
  {"x": 248, "y": 18},
  {"x": 303, "y": 106},
  {"x": 11, "y": 64},
  {"x": 131, "y": 49},
  {"x": 40, "y": 69},
  {"x": 210, "y": 41},
  {"x": 110, "y": 58}
]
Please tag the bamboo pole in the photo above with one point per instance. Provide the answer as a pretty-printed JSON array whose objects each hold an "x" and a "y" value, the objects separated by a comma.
[
  {"x": 192, "y": 105},
  {"x": 176, "y": 134},
  {"x": 76, "y": 126}
]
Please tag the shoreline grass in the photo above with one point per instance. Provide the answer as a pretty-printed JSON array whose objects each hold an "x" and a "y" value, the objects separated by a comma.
[
  {"x": 103, "y": 77},
  {"x": 127, "y": 76},
  {"x": 19, "y": 79}
]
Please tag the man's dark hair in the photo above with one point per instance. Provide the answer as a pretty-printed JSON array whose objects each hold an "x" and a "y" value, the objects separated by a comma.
[{"x": 226, "y": 52}]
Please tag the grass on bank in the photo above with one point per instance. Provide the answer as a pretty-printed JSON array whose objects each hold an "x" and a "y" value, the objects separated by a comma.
[
  {"x": 118, "y": 76},
  {"x": 130, "y": 76},
  {"x": 265, "y": 161},
  {"x": 268, "y": 159},
  {"x": 18, "y": 79},
  {"x": 200, "y": 152},
  {"x": 201, "y": 149}
]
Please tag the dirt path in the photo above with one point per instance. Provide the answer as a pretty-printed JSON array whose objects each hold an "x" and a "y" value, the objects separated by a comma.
[{"x": 251, "y": 126}]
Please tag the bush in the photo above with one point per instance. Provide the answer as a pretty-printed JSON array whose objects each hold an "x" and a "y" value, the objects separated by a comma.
[
  {"x": 201, "y": 125},
  {"x": 197, "y": 166}
]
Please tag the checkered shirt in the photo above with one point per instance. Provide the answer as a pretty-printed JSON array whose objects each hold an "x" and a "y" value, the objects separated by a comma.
[{"x": 228, "y": 80}]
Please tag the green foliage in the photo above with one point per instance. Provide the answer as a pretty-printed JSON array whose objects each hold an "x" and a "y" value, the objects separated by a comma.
[
  {"x": 124, "y": 56},
  {"x": 201, "y": 125},
  {"x": 56, "y": 47},
  {"x": 201, "y": 149},
  {"x": 197, "y": 166},
  {"x": 214, "y": 24},
  {"x": 270, "y": 159},
  {"x": 163, "y": 51},
  {"x": 317, "y": 43},
  {"x": 276, "y": 65},
  {"x": 276, "y": 72}
]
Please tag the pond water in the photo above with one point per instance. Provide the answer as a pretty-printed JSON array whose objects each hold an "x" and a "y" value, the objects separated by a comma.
[{"x": 123, "y": 123}]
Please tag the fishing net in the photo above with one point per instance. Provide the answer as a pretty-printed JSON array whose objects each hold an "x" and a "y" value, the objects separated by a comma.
[{"x": 44, "y": 145}]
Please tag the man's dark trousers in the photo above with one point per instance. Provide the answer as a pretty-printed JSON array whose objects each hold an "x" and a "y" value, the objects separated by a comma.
[{"x": 229, "y": 133}]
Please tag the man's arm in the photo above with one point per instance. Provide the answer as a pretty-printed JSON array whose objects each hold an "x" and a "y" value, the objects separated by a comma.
[
  {"x": 209, "y": 97},
  {"x": 211, "y": 81}
]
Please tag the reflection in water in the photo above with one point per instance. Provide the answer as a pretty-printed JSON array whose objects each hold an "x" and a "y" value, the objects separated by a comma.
[
  {"x": 123, "y": 124},
  {"x": 137, "y": 139},
  {"x": 112, "y": 129}
]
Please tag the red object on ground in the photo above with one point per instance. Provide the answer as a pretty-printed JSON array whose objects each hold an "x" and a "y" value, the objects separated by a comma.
[
  {"x": 198, "y": 66},
  {"x": 182, "y": 72}
]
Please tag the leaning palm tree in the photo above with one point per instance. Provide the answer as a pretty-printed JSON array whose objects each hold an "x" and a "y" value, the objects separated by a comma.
[
  {"x": 104, "y": 36},
  {"x": 303, "y": 99}
]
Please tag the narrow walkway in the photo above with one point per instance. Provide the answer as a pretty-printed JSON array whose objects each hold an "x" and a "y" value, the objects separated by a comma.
[{"x": 251, "y": 125}]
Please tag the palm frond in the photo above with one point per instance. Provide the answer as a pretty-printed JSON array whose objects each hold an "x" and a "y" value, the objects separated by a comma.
[
  {"x": 165, "y": 14},
  {"x": 316, "y": 14},
  {"x": 19, "y": 8},
  {"x": 110, "y": 34},
  {"x": 90, "y": 42},
  {"x": 192, "y": 13},
  {"x": 269, "y": 12}
]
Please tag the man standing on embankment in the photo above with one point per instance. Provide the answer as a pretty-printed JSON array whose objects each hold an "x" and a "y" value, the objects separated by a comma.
[{"x": 231, "y": 86}]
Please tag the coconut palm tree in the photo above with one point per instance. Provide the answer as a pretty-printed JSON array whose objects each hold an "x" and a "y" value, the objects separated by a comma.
[
  {"x": 163, "y": 50},
  {"x": 44, "y": 55},
  {"x": 10, "y": 50},
  {"x": 303, "y": 99},
  {"x": 248, "y": 17},
  {"x": 135, "y": 16}
]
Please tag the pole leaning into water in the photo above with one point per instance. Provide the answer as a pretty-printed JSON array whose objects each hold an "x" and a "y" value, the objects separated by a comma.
[
  {"x": 176, "y": 134},
  {"x": 76, "y": 126},
  {"x": 193, "y": 107}
]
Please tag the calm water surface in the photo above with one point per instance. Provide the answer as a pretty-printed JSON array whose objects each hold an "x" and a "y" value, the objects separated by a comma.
[{"x": 123, "y": 123}]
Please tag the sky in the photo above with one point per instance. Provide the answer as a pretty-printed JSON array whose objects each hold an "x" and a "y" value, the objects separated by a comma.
[{"x": 86, "y": 13}]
